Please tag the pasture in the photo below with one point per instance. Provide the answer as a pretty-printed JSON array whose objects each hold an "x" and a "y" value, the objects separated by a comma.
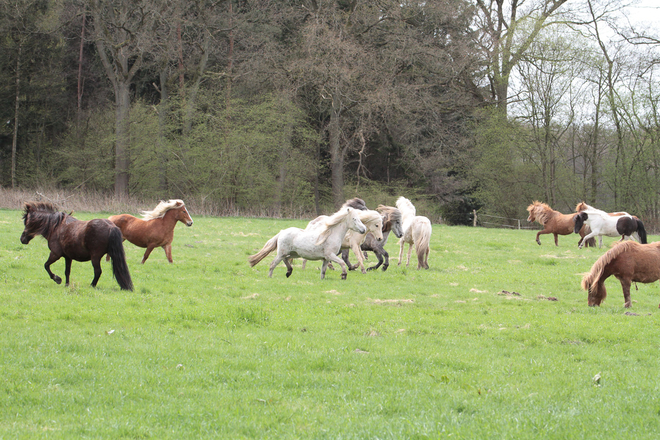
[{"x": 208, "y": 347}]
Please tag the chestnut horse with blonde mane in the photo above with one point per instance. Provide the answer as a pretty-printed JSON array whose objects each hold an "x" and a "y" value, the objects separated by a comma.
[
  {"x": 156, "y": 228},
  {"x": 629, "y": 262},
  {"x": 554, "y": 222}
]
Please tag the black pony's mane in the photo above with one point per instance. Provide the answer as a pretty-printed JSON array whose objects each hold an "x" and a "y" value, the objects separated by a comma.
[{"x": 43, "y": 215}]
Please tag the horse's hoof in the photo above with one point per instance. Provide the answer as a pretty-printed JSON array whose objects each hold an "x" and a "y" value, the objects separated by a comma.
[
  {"x": 343, "y": 276},
  {"x": 288, "y": 274},
  {"x": 57, "y": 279},
  {"x": 627, "y": 305}
]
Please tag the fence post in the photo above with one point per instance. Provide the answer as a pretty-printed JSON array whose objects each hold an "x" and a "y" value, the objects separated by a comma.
[
  {"x": 518, "y": 224},
  {"x": 474, "y": 218}
]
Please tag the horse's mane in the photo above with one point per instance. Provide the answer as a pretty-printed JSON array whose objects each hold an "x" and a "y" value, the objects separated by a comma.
[
  {"x": 584, "y": 207},
  {"x": 393, "y": 213},
  {"x": 597, "y": 269},
  {"x": 369, "y": 216},
  {"x": 356, "y": 203},
  {"x": 406, "y": 207},
  {"x": 332, "y": 221},
  {"x": 45, "y": 213},
  {"x": 541, "y": 211},
  {"x": 161, "y": 209}
]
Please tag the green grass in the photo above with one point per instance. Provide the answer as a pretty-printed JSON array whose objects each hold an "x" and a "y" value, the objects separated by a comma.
[{"x": 210, "y": 348}]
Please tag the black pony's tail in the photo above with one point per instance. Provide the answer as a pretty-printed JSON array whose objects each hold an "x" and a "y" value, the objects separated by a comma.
[
  {"x": 119, "y": 266},
  {"x": 641, "y": 231}
]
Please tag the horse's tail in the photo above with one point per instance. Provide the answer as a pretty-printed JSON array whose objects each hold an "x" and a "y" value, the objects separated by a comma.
[
  {"x": 422, "y": 239},
  {"x": 119, "y": 266},
  {"x": 641, "y": 231},
  {"x": 269, "y": 247}
]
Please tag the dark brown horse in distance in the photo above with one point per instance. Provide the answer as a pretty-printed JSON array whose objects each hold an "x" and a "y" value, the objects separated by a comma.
[
  {"x": 629, "y": 262},
  {"x": 554, "y": 222},
  {"x": 76, "y": 240}
]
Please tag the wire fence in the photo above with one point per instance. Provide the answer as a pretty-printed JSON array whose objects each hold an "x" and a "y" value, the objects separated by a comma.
[{"x": 495, "y": 221}]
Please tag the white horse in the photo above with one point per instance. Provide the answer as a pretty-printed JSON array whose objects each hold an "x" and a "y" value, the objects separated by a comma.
[
  {"x": 416, "y": 231},
  {"x": 373, "y": 221},
  {"x": 612, "y": 225},
  {"x": 320, "y": 243}
]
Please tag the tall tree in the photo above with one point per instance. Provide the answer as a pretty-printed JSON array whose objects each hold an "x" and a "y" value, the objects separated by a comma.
[{"x": 123, "y": 32}]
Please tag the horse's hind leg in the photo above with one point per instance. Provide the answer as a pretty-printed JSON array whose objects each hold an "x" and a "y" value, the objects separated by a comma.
[
  {"x": 96, "y": 263},
  {"x": 275, "y": 262},
  {"x": 289, "y": 267},
  {"x": 67, "y": 270},
  {"x": 147, "y": 252},
  {"x": 51, "y": 259},
  {"x": 380, "y": 253}
]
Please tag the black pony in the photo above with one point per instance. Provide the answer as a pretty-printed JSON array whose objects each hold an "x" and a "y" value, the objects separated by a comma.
[{"x": 76, "y": 240}]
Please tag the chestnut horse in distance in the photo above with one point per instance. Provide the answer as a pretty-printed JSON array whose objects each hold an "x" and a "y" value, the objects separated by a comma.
[
  {"x": 156, "y": 228},
  {"x": 554, "y": 222}
]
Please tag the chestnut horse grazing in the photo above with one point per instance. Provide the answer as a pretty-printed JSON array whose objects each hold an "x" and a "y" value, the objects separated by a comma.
[
  {"x": 630, "y": 262},
  {"x": 416, "y": 231},
  {"x": 554, "y": 222},
  {"x": 612, "y": 224},
  {"x": 156, "y": 229},
  {"x": 76, "y": 240}
]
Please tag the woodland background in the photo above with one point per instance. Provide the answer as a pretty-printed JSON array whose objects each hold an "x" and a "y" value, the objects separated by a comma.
[{"x": 288, "y": 107}]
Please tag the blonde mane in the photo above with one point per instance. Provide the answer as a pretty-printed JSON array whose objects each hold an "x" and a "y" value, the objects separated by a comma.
[
  {"x": 162, "y": 208},
  {"x": 332, "y": 221},
  {"x": 541, "y": 211},
  {"x": 369, "y": 216}
]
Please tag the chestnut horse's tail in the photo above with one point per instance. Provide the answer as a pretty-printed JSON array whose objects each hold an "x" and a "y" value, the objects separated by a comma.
[
  {"x": 119, "y": 266},
  {"x": 269, "y": 247}
]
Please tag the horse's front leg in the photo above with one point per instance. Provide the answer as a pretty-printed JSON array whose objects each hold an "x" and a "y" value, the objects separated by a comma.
[
  {"x": 379, "y": 254},
  {"x": 67, "y": 270},
  {"x": 625, "y": 285},
  {"x": 587, "y": 237},
  {"x": 401, "y": 245},
  {"x": 51, "y": 259},
  {"x": 358, "y": 253},
  {"x": 539, "y": 233},
  {"x": 556, "y": 238},
  {"x": 96, "y": 264},
  {"x": 344, "y": 256},
  {"x": 337, "y": 260},
  {"x": 168, "y": 252}
]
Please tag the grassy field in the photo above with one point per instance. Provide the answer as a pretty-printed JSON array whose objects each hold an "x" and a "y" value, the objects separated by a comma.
[{"x": 210, "y": 348}]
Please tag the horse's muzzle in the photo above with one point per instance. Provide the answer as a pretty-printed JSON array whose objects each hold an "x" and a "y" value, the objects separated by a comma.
[
  {"x": 25, "y": 239},
  {"x": 189, "y": 223}
]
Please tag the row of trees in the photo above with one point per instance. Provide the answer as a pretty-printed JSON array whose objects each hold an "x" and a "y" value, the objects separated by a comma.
[{"x": 288, "y": 106}]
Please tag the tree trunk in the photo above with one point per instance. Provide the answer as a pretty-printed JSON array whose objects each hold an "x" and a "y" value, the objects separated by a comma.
[
  {"x": 17, "y": 99},
  {"x": 163, "y": 113},
  {"x": 122, "y": 143},
  {"x": 336, "y": 156}
]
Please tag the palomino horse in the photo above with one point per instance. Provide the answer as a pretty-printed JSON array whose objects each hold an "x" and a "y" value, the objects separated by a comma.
[
  {"x": 391, "y": 223},
  {"x": 613, "y": 225},
  {"x": 319, "y": 243},
  {"x": 156, "y": 229},
  {"x": 416, "y": 231},
  {"x": 554, "y": 222},
  {"x": 630, "y": 262},
  {"x": 76, "y": 240}
]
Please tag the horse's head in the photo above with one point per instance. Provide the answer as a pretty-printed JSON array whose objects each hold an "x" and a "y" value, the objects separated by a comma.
[
  {"x": 582, "y": 207},
  {"x": 534, "y": 210},
  {"x": 182, "y": 214},
  {"x": 356, "y": 203},
  {"x": 596, "y": 295},
  {"x": 354, "y": 222},
  {"x": 579, "y": 220},
  {"x": 391, "y": 220},
  {"x": 39, "y": 218},
  {"x": 374, "y": 222}
]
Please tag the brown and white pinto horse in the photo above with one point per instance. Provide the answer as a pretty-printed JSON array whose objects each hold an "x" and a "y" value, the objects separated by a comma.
[
  {"x": 612, "y": 224},
  {"x": 156, "y": 229},
  {"x": 630, "y": 262},
  {"x": 554, "y": 222}
]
